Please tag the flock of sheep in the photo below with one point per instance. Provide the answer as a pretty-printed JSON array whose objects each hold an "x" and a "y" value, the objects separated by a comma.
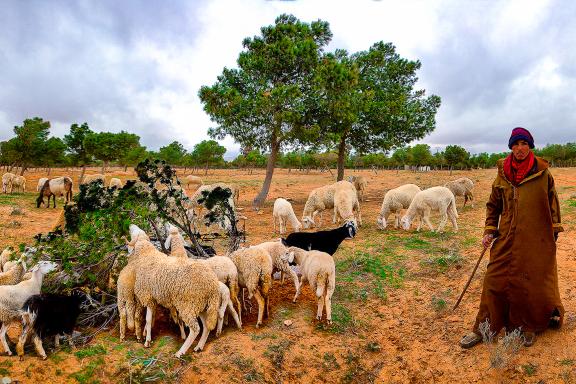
[{"x": 200, "y": 294}]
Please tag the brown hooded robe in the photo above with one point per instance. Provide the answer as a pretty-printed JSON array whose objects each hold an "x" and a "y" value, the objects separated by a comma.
[{"x": 521, "y": 282}]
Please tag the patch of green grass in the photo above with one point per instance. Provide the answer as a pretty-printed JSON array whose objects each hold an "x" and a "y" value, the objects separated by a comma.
[
  {"x": 445, "y": 260},
  {"x": 470, "y": 241},
  {"x": 56, "y": 358},
  {"x": 567, "y": 362},
  {"x": 329, "y": 361},
  {"x": 416, "y": 243},
  {"x": 247, "y": 367},
  {"x": 373, "y": 346},
  {"x": 85, "y": 375},
  {"x": 275, "y": 352},
  {"x": 262, "y": 336},
  {"x": 4, "y": 372},
  {"x": 439, "y": 304},
  {"x": 529, "y": 369},
  {"x": 93, "y": 350},
  {"x": 572, "y": 203},
  {"x": 342, "y": 320}
]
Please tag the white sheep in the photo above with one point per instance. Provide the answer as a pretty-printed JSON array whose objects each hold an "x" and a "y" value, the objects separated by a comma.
[
  {"x": 41, "y": 182},
  {"x": 319, "y": 269},
  {"x": 439, "y": 199},
  {"x": 191, "y": 289},
  {"x": 255, "y": 274},
  {"x": 275, "y": 250},
  {"x": 282, "y": 213},
  {"x": 226, "y": 305},
  {"x": 7, "y": 181},
  {"x": 320, "y": 199},
  {"x": 394, "y": 201},
  {"x": 18, "y": 182},
  {"x": 12, "y": 297},
  {"x": 360, "y": 183},
  {"x": 195, "y": 181},
  {"x": 115, "y": 182},
  {"x": 346, "y": 204},
  {"x": 14, "y": 272},
  {"x": 462, "y": 187},
  {"x": 5, "y": 257},
  {"x": 227, "y": 273},
  {"x": 90, "y": 178}
]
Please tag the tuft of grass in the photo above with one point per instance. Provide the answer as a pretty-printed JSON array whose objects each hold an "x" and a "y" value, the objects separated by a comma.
[
  {"x": 445, "y": 260},
  {"x": 93, "y": 350},
  {"x": 373, "y": 346},
  {"x": 501, "y": 353},
  {"x": 86, "y": 374},
  {"x": 529, "y": 369},
  {"x": 329, "y": 361},
  {"x": 16, "y": 210},
  {"x": 417, "y": 243},
  {"x": 342, "y": 320},
  {"x": 275, "y": 352},
  {"x": 567, "y": 362},
  {"x": 247, "y": 367},
  {"x": 439, "y": 304},
  {"x": 262, "y": 336}
]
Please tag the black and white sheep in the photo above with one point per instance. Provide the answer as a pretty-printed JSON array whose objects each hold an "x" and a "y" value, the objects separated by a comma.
[
  {"x": 53, "y": 187},
  {"x": 48, "y": 314},
  {"x": 325, "y": 241}
]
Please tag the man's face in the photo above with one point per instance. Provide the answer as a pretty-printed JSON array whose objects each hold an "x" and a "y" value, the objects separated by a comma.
[{"x": 520, "y": 149}]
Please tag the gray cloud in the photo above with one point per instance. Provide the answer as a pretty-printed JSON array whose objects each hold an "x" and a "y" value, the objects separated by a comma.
[{"x": 137, "y": 65}]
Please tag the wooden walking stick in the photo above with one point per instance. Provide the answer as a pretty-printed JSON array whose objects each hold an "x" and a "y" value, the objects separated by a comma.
[{"x": 471, "y": 276}]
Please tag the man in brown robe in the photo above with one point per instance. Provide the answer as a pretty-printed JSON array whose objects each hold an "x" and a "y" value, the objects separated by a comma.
[{"x": 523, "y": 219}]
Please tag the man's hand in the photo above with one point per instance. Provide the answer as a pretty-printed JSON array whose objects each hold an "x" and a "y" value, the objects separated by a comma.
[{"x": 487, "y": 240}]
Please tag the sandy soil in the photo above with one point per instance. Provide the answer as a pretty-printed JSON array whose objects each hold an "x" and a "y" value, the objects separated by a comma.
[{"x": 395, "y": 326}]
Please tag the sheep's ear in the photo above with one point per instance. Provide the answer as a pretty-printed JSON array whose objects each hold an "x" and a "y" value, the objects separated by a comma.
[
  {"x": 168, "y": 242},
  {"x": 291, "y": 256}
]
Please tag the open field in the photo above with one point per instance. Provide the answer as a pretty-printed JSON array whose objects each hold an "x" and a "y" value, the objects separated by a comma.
[{"x": 392, "y": 314}]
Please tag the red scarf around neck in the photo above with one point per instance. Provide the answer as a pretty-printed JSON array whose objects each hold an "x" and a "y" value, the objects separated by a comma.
[{"x": 515, "y": 170}]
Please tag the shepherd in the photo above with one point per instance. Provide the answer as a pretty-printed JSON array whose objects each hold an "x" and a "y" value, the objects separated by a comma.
[{"x": 520, "y": 288}]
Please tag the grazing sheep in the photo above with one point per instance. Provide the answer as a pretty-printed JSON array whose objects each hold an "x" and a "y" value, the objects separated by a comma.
[
  {"x": 360, "y": 184},
  {"x": 325, "y": 241},
  {"x": 319, "y": 199},
  {"x": 439, "y": 199},
  {"x": 462, "y": 187},
  {"x": 48, "y": 314},
  {"x": 53, "y": 187},
  {"x": 319, "y": 269},
  {"x": 5, "y": 257},
  {"x": 195, "y": 181},
  {"x": 276, "y": 249},
  {"x": 7, "y": 181},
  {"x": 13, "y": 274},
  {"x": 255, "y": 274},
  {"x": 394, "y": 201},
  {"x": 20, "y": 183},
  {"x": 13, "y": 297},
  {"x": 191, "y": 289},
  {"x": 115, "y": 182},
  {"x": 346, "y": 204},
  {"x": 227, "y": 273},
  {"x": 90, "y": 178},
  {"x": 226, "y": 305},
  {"x": 41, "y": 182},
  {"x": 283, "y": 212}
]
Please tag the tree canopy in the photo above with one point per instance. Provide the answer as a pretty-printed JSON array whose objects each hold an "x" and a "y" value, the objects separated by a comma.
[{"x": 209, "y": 152}]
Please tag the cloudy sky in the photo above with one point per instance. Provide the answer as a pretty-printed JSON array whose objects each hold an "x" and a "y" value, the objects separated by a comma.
[{"x": 138, "y": 65}]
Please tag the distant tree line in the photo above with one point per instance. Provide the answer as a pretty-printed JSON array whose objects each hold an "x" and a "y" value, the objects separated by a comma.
[{"x": 81, "y": 147}]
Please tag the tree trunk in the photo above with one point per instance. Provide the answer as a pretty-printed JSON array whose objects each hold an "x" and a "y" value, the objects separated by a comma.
[
  {"x": 23, "y": 170},
  {"x": 450, "y": 170},
  {"x": 103, "y": 167},
  {"x": 49, "y": 169},
  {"x": 259, "y": 200},
  {"x": 82, "y": 174},
  {"x": 341, "y": 157},
  {"x": 125, "y": 167},
  {"x": 206, "y": 169}
]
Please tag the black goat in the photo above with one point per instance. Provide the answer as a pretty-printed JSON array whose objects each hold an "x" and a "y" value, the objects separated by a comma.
[
  {"x": 325, "y": 241},
  {"x": 48, "y": 314}
]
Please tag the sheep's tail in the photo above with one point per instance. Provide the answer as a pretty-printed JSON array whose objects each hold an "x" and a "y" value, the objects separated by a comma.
[
  {"x": 321, "y": 280},
  {"x": 129, "y": 308},
  {"x": 212, "y": 310},
  {"x": 452, "y": 206}
]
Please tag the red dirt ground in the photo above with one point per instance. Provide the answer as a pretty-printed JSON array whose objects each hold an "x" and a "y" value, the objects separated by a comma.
[{"x": 407, "y": 337}]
